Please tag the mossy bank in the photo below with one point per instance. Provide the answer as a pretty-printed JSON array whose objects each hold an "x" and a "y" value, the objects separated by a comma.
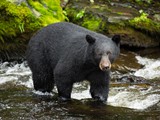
[
  {"x": 131, "y": 19},
  {"x": 137, "y": 21},
  {"x": 19, "y": 19}
]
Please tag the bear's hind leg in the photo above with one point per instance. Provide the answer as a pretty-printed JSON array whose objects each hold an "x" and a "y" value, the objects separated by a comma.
[
  {"x": 43, "y": 83},
  {"x": 43, "y": 78},
  {"x": 64, "y": 86},
  {"x": 42, "y": 71}
]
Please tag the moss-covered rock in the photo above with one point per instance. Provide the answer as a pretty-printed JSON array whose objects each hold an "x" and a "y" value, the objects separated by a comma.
[
  {"x": 15, "y": 19},
  {"x": 20, "y": 19},
  {"x": 145, "y": 24},
  {"x": 50, "y": 10},
  {"x": 136, "y": 27},
  {"x": 131, "y": 37}
]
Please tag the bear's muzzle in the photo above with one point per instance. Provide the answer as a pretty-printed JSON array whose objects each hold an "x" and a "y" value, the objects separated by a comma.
[{"x": 105, "y": 63}]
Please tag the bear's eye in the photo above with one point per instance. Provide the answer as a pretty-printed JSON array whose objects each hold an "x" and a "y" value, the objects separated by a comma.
[
  {"x": 108, "y": 53},
  {"x": 99, "y": 54}
]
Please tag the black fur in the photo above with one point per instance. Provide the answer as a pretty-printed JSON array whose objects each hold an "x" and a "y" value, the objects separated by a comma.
[{"x": 60, "y": 54}]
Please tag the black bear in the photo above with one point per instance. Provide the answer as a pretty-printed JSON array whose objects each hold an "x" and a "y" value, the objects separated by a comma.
[{"x": 64, "y": 53}]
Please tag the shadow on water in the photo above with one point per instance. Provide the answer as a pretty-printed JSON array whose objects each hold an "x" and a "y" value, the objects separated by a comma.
[{"x": 19, "y": 102}]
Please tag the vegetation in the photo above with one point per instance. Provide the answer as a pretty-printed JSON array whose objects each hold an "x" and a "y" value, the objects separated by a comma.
[
  {"x": 19, "y": 21},
  {"x": 86, "y": 19},
  {"x": 50, "y": 10},
  {"x": 14, "y": 20},
  {"x": 146, "y": 24},
  {"x": 94, "y": 23},
  {"x": 137, "y": 21},
  {"x": 142, "y": 1}
]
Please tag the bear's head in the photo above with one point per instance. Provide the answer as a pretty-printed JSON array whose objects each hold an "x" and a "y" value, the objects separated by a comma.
[{"x": 103, "y": 51}]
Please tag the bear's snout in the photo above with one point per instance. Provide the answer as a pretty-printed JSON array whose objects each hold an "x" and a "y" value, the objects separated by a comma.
[{"x": 105, "y": 64}]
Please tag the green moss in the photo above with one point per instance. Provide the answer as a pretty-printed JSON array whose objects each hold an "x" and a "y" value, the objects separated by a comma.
[
  {"x": 73, "y": 14},
  {"x": 143, "y": 1},
  {"x": 80, "y": 14},
  {"x": 14, "y": 20},
  {"x": 84, "y": 18},
  {"x": 92, "y": 23},
  {"x": 50, "y": 10},
  {"x": 145, "y": 24},
  {"x": 131, "y": 36},
  {"x": 19, "y": 21}
]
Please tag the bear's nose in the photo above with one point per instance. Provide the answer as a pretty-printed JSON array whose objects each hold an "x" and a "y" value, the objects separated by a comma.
[
  {"x": 104, "y": 64},
  {"x": 106, "y": 68}
]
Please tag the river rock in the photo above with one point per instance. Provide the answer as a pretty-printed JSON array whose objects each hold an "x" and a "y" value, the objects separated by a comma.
[
  {"x": 132, "y": 79},
  {"x": 129, "y": 80}
]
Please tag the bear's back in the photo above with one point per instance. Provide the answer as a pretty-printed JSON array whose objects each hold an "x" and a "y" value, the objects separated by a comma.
[{"x": 68, "y": 31}]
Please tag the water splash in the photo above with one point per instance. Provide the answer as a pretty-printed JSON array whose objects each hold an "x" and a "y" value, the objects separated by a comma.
[
  {"x": 133, "y": 98},
  {"x": 12, "y": 71},
  {"x": 42, "y": 94},
  {"x": 151, "y": 68},
  {"x": 81, "y": 95}
]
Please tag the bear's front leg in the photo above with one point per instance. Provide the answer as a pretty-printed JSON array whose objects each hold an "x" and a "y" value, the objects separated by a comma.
[{"x": 99, "y": 85}]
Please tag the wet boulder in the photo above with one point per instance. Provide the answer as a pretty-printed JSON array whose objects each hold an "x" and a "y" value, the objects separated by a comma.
[{"x": 132, "y": 80}]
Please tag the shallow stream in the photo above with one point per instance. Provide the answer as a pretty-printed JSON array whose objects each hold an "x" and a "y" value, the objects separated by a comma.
[{"x": 128, "y": 100}]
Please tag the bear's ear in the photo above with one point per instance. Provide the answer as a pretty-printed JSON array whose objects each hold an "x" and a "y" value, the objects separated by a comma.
[
  {"x": 116, "y": 39},
  {"x": 90, "y": 39}
]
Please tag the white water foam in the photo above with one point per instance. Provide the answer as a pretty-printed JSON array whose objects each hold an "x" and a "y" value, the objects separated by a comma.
[
  {"x": 131, "y": 99},
  {"x": 151, "y": 68},
  {"x": 81, "y": 95},
  {"x": 122, "y": 97},
  {"x": 5, "y": 79},
  {"x": 12, "y": 71},
  {"x": 28, "y": 83},
  {"x": 41, "y": 93}
]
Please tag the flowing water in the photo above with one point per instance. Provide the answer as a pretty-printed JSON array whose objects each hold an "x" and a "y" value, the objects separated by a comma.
[{"x": 127, "y": 100}]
